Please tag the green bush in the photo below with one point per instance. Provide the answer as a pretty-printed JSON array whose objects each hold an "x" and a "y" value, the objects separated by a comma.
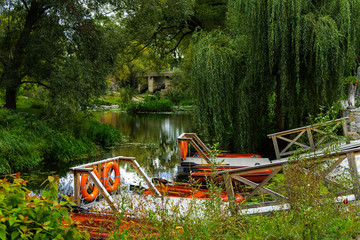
[
  {"x": 163, "y": 105},
  {"x": 104, "y": 135},
  {"x": 186, "y": 103},
  {"x": 174, "y": 95},
  {"x": 26, "y": 142},
  {"x": 23, "y": 216}
]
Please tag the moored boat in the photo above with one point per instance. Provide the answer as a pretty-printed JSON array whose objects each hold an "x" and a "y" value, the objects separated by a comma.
[
  {"x": 202, "y": 173},
  {"x": 181, "y": 191}
]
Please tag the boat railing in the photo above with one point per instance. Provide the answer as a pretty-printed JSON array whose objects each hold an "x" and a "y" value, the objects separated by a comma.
[
  {"x": 196, "y": 142},
  {"x": 296, "y": 140},
  {"x": 89, "y": 168}
]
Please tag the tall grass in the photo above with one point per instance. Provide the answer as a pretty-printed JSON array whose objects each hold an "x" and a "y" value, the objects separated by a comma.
[
  {"x": 27, "y": 141},
  {"x": 314, "y": 213},
  {"x": 162, "y": 105}
]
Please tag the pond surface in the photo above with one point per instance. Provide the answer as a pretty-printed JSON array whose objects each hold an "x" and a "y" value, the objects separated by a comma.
[{"x": 150, "y": 138}]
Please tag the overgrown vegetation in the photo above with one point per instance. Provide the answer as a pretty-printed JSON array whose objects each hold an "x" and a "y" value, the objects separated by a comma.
[
  {"x": 27, "y": 142},
  {"x": 23, "y": 216},
  {"x": 162, "y": 105}
]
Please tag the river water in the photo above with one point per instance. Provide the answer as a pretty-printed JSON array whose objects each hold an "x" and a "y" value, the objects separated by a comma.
[{"x": 150, "y": 138}]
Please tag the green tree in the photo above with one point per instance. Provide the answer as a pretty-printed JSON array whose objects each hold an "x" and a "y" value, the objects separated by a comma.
[
  {"x": 299, "y": 53},
  {"x": 216, "y": 77},
  {"x": 167, "y": 26},
  {"x": 56, "y": 44}
]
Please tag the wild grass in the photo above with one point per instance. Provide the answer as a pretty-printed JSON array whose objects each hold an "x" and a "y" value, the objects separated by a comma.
[
  {"x": 162, "y": 105},
  {"x": 26, "y": 141}
]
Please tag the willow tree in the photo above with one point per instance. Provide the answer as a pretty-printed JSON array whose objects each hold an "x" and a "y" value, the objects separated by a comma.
[
  {"x": 215, "y": 77},
  {"x": 298, "y": 55}
]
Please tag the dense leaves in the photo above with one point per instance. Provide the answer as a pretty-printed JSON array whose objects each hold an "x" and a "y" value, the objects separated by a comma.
[
  {"x": 57, "y": 45},
  {"x": 297, "y": 57},
  {"x": 23, "y": 216}
]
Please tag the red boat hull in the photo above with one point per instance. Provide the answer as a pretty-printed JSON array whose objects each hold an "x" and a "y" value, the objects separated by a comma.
[
  {"x": 170, "y": 190},
  {"x": 202, "y": 173}
]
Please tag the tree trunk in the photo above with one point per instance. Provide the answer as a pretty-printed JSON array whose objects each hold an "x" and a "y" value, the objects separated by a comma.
[
  {"x": 10, "y": 98},
  {"x": 12, "y": 73}
]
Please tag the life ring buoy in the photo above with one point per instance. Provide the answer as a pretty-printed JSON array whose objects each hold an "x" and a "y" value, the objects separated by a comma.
[
  {"x": 105, "y": 176},
  {"x": 83, "y": 189},
  {"x": 184, "y": 149}
]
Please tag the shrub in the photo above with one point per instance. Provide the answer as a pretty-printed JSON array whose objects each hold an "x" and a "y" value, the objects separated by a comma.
[
  {"x": 23, "y": 216},
  {"x": 103, "y": 134},
  {"x": 173, "y": 94},
  {"x": 163, "y": 105}
]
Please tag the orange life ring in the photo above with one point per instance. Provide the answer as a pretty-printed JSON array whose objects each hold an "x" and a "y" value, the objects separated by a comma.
[
  {"x": 107, "y": 168},
  {"x": 184, "y": 149},
  {"x": 83, "y": 189}
]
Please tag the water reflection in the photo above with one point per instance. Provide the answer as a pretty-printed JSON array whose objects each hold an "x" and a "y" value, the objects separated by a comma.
[{"x": 152, "y": 139}]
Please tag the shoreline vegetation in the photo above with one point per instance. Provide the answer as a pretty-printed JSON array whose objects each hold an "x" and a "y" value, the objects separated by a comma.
[{"x": 29, "y": 140}]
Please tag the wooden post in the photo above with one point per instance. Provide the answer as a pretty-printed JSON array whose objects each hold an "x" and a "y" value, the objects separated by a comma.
[
  {"x": 77, "y": 188},
  {"x": 230, "y": 192},
  {"x": 354, "y": 173},
  {"x": 276, "y": 147},
  {"x": 311, "y": 140},
  {"x": 345, "y": 130}
]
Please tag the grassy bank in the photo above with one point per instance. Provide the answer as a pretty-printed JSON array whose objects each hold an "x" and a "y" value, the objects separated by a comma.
[{"x": 27, "y": 140}]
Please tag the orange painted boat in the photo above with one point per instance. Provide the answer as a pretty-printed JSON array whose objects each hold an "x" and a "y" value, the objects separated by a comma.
[
  {"x": 178, "y": 191},
  {"x": 103, "y": 225},
  {"x": 201, "y": 172},
  {"x": 232, "y": 155}
]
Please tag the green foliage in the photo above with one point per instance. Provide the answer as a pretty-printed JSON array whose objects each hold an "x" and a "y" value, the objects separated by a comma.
[
  {"x": 298, "y": 55},
  {"x": 26, "y": 142},
  {"x": 59, "y": 46},
  {"x": 104, "y": 135},
  {"x": 173, "y": 94},
  {"x": 162, "y": 105},
  {"x": 23, "y": 216},
  {"x": 216, "y": 81}
]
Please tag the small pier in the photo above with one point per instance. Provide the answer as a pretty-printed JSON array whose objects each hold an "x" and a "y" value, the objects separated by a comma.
[{"x": 307, "y": 143}]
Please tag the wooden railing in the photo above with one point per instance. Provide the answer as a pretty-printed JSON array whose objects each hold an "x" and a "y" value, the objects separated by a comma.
[
  {"x": 336, "y": 157},
  {"x": 292, "y": 137},
  {"x": 196, "y": 142},
  {"x": 99, "y": 165}
]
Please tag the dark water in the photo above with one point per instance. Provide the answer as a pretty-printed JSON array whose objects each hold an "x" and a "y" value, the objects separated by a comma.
[{"x": 150, "y": 138}]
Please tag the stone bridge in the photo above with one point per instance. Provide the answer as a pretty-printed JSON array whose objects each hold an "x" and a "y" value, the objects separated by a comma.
[{"x": 155, "y": 82}]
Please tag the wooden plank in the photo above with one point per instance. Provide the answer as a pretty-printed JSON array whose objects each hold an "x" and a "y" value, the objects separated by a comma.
[
  {"x": 311, "y": 140},
  {"x": 354, "y": 173},
  {"x": 289, "y": 140},
  {"x": 292, "y": 142},
  {"x": 286, "y": 132},
  {"x": 103, "y": 191},
  {"x": 252, "y": 184},
  {"x": 123, "y": 159},
  {"x": 228, "y": 186},
  {"x": 276, "y": 147},
  {"x": 334, "y": 165},
  {"x": 275, "y": 171},
  {"x": 345, "y": 131},
  {"x": 206, "y": 158},
  {"x": 77, "y": 188},
  {"x": 145, "y": 177},
  {"x": 252, "y": 169}
]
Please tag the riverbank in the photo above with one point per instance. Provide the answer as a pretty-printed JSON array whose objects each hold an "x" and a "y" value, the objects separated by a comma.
[{"x": 30, "y": 141}]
